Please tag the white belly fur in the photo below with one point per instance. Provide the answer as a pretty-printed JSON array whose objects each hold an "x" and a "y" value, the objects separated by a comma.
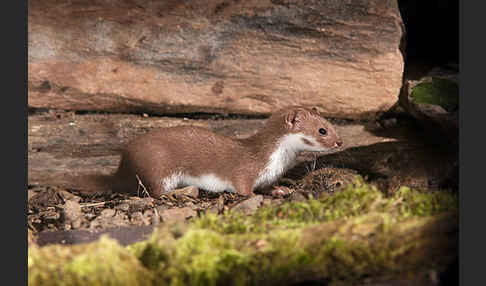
[{"x": 208, "y": 182}]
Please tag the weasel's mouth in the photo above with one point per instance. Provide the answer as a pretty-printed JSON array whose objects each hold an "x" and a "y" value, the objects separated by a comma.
[{"x": 338, "y": 144}]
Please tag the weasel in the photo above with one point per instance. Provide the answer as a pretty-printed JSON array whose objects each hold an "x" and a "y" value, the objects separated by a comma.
[{"x": 168, "y": 158}]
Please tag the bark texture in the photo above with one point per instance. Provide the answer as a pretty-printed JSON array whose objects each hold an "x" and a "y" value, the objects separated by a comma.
[{"x": 240, "y": 57}]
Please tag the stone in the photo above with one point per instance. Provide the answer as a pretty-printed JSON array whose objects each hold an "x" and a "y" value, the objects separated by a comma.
[
  {"x": 30, "y": 194},
  {"x": 140, "y": 204},
  {"x": 108, "y": 218},
  {"x": 217, "y": 207},
  {"x": 72, "y": 213},
  {"x": 177, "y": 214},
  {"x": 214, "y": 209},
  {"x": 190, "y": 191},
  {"x": 189, "y": 204},
  {"x": 69, "y": 196},
  {"x": 162, "y": 208},
  {"x": 241, "y": 57},
  {"x": 139, "y": 219},
  {"x": 433, "y": 101},
  {"x": 123, "y": 207},
  {"x": 155, "y": 219},
  {"x": 107, "y": 213},
  {"x": 250, "y": 205},
  {"x": 281, "y": 191}
]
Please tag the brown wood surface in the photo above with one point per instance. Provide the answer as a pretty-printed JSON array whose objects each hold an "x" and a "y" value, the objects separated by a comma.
[{"x": 239, "y": 57}]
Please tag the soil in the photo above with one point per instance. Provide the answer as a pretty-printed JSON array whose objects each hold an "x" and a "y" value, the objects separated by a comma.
[
  {"x": 50, "y": 215},
  {"x": 388, "y": 153}
]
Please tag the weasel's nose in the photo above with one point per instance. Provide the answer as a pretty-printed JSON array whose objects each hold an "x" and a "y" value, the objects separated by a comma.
[{"x": 338, "y": 143}]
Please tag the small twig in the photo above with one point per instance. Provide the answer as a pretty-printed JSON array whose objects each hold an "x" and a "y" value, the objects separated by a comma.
[
  {"x": 311, "y": 167},
  {"x": 144, "y": 191},
  {"x": 102, "y": 203},
  {"x": 314, "y": 162},
  {"x": 94, "y": 204}
]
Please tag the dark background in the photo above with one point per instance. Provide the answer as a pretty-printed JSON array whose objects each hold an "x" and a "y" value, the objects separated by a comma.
[{"x": 432, "y": 31}]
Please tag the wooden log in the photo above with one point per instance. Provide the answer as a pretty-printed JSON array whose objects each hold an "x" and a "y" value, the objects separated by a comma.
[{"x": 239, "y": 57}]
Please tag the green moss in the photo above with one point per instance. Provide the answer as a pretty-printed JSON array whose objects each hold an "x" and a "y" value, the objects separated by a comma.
[
  {"x": 340, "y": 250},
  {"x": 203, "y": 257},
  {"x": 415, "y": 203},
  {"x": 101, "y": 263},
  {"x": 354, "y": 233},
  {"x": 442, "y": 92},
  {"x": 355, "y": 199}
]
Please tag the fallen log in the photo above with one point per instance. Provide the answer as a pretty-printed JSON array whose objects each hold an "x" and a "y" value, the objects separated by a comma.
[{"x": 238, "y": 57}]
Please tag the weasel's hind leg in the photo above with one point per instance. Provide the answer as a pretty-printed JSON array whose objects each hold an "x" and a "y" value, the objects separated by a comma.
[
  {"x": 244, "y": 188},
  {"x": 162, "y": 185}
]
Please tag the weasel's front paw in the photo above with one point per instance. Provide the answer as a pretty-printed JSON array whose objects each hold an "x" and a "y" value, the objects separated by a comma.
[{"x": 281, "y": 192}]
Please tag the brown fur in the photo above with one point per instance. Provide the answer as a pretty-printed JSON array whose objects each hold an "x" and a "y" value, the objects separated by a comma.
[{"x": 196, "y": 150}]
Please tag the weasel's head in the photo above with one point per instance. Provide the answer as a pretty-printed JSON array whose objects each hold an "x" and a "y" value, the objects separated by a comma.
[{"x": 309, "y": 130}]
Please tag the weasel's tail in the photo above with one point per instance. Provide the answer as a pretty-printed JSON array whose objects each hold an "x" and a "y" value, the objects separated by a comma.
[{"x": 90, "y": 184}]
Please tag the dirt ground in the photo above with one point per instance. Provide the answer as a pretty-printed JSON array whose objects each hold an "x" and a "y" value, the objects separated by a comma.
[{"x": 388, "y": 153}]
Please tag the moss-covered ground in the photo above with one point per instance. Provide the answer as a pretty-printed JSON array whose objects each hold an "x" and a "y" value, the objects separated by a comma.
[{"x": 357, "y": 232}]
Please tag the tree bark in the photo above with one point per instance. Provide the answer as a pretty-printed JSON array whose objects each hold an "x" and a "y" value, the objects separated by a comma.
[{"x": 238, "y": 57}]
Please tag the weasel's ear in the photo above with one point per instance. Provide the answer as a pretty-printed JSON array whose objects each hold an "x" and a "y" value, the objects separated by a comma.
[
  {"x": 315, "y": 110},
  {"x": 293, "y": 117}
]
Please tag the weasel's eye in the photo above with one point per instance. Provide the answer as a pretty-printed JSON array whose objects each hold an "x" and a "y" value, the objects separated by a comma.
[{"x": 322, "y": 131}]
